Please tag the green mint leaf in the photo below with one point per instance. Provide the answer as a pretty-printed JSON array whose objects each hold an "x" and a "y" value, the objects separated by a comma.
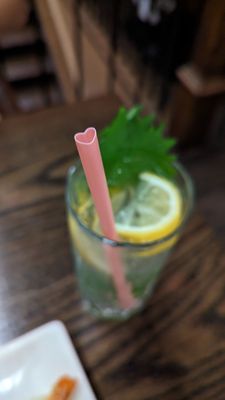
[{"x": 131, "y": 144}]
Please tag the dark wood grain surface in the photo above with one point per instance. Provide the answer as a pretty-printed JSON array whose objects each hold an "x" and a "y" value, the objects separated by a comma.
[{"x": 174, "y": 349}]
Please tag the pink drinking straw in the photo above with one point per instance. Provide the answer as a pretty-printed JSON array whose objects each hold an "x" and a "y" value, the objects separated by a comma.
[{"x": 89, "y": 152}]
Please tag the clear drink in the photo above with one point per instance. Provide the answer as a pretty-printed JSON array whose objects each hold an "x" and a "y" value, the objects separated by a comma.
[{"x": 142, "y": 261}]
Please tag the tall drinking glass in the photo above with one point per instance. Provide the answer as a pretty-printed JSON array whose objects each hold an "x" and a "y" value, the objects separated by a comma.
[{"x": 142, "y": 262}]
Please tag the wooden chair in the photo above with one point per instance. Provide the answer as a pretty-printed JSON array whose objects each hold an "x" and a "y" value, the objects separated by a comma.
[
  {"x": 68, "y": 29},
  {"x": 201, "y": 88}
]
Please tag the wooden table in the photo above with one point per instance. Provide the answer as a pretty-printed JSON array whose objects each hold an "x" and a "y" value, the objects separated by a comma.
[{"x": 174, "y": 349}]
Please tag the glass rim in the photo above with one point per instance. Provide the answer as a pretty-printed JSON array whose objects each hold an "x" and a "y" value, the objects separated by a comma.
[{"x": 125, "y": 244}]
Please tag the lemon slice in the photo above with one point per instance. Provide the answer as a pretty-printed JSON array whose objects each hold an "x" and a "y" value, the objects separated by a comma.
[
  {"x": 148, "y": 212},
  {"x": 153, "y": 212},
  {"x": 91, "y": 252}
]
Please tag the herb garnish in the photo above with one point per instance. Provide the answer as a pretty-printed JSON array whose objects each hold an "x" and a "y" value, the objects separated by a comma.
[{"x": 131, "y": 144}]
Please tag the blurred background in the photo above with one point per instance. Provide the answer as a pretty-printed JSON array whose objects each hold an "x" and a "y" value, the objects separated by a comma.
[{"x": 168, "y": 55}]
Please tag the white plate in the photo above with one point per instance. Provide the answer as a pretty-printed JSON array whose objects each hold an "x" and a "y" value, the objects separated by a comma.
[{"x": 31, "y": 364}]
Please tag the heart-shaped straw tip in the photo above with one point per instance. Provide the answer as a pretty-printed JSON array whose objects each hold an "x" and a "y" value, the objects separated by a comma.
[{"x": 86, "y": 137}]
